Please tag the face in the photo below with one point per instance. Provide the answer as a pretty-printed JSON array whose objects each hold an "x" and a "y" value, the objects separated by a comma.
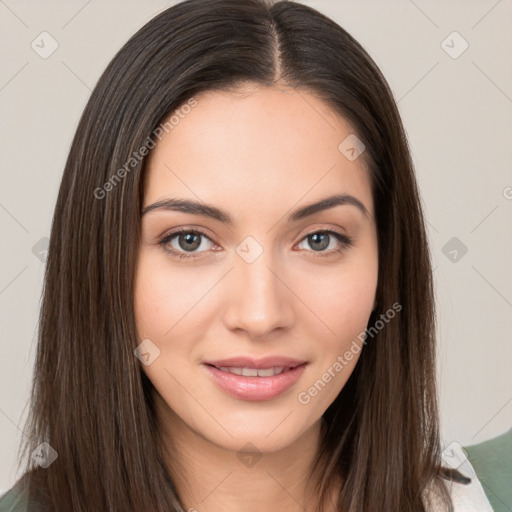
[{"x": 252, "y": 308}]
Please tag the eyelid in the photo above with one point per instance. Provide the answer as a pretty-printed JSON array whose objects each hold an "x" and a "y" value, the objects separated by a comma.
[{"x": 323, "y": 228}]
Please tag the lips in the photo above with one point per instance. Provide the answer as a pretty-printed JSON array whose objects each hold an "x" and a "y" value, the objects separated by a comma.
[{"x": 248, "y": 378}]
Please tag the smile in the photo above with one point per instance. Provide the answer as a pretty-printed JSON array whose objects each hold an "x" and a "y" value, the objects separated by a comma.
[
  {"x": 255, "y": 384},
  {"x": 254, "y": 372}
]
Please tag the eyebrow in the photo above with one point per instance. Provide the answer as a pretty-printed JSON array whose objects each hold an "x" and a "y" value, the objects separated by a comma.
[{"x": 197, "y": 208}]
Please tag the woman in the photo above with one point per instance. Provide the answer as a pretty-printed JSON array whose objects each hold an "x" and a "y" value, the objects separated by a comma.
[{"x": 238, "y": 308}]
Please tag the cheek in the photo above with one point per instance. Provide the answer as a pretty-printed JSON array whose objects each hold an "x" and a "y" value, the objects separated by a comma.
[
  {"x": 344, "y": 314},
  {"x": 163, "y": 295},
  {"x": 341, "y": 301},
  {"x": 150, "y": 297}
]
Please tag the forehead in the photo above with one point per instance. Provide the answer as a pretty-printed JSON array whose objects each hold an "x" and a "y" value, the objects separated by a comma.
[{"x": 256, "y": 146}]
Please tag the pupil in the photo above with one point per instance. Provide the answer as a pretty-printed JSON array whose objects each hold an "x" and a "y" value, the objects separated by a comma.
[
  {"x": 190, "y": 238},
  {"x": 323, "y": 244}
]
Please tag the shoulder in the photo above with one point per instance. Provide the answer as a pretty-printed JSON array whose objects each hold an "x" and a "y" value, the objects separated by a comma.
[
  {"x": 16, "y": 500},
  {"x": 466, "y": 497},
  {"x": 492, "y": 461}
]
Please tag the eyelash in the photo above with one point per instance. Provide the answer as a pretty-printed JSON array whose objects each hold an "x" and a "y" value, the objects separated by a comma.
[{"x": 343, "y": 239}]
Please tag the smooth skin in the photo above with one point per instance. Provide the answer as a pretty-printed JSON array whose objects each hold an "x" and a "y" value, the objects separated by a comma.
[{"x": 259, "y": 155}]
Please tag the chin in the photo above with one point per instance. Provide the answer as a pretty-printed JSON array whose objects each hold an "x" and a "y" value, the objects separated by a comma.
[{"x": 266, "y": 433}]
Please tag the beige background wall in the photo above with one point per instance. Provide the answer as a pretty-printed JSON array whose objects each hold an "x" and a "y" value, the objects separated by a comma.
[{"x": 457, "y": 109}]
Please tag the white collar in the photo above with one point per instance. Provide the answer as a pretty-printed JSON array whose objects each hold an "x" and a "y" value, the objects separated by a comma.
[{"x": 466, "y": 497}]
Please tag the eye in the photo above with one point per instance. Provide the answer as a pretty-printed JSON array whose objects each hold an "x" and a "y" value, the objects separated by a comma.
[
  {"x": 187, "y": 240},
  {"x": 321, "y": 239}
]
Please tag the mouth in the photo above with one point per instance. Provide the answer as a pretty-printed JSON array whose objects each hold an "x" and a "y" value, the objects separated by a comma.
[
  {"x": 254, "y": 372},
  {"x": 255, "y": 380}
]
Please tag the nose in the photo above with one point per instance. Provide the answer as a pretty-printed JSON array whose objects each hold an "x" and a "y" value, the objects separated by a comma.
[{"x": 260, "y": 300}]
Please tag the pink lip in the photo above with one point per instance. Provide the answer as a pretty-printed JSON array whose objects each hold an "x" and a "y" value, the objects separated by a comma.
[{"x": 255, "y": 388}]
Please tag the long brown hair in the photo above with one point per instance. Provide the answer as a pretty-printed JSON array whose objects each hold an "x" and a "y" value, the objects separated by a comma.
[{"x": 91, "y": 401}]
